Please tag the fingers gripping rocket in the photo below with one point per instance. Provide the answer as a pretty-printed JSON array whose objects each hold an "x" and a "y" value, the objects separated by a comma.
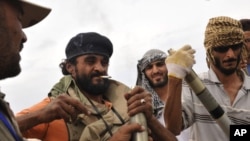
[{"x": 180, "y": 62}]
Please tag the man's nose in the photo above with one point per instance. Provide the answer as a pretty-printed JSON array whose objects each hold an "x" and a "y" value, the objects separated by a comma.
[{"x": 99, "y": 67}]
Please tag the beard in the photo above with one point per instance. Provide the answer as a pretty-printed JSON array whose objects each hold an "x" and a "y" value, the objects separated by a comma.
[
  {"x": 9, "y": 59},
  {"x": 226, "y": 71},
  {"x": 10, "y": 67},
  {"x": 84, "y": 83},
  {"x": 159, "y": 84}
]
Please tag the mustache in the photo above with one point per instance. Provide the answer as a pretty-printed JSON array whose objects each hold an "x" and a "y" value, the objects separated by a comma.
[
  {"x": 21, "y": 47},
  {"x": 157, "y": 74},
  {"x": 97, "y": 75},
  {"x": 230, "y": 60}
]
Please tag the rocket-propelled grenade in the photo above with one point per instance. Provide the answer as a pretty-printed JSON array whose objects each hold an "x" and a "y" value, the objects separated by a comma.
[{"x": 208, "y": 101}]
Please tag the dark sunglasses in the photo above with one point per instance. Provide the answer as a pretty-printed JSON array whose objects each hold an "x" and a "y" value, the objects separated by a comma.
[{"x": 223, "y": 49}]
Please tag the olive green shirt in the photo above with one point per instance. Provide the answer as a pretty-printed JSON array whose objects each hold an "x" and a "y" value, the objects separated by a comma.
[{"x": 94, "y": 128}]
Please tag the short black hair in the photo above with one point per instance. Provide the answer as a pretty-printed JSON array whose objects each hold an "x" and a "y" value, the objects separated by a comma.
[{"x": 245, "y": 24}]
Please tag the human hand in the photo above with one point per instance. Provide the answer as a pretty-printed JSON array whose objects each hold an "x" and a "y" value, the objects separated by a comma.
[
  {"x": 125, "y": 132},
  {"x": 179, "y": 63},
  {"x": 139, "y": 101},
  {"x": 63, "y": 107}
]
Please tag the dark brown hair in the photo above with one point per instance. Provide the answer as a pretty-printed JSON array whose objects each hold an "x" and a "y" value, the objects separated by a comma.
[{"x": 245, "y": 24}]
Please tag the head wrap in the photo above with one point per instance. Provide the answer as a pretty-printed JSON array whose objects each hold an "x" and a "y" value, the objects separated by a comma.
[
  {"x": 86, "y": 43},
  {"x": 222, "y": 31},
  {"x": 149, "y": 57}
]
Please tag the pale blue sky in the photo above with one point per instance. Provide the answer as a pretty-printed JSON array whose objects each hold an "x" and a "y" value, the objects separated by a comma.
[{"x": 134, "y": 26}]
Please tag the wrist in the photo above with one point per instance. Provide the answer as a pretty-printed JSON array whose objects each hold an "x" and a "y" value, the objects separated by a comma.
[
  {"x": 151, "y": 121},
  {"x": 177, "y": 71}
]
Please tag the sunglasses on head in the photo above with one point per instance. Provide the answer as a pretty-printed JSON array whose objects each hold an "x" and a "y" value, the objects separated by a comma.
[{"x": 223, "y": 49}]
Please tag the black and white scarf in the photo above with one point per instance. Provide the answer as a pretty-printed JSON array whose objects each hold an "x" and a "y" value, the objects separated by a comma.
[{"x": 149, "y": 57}]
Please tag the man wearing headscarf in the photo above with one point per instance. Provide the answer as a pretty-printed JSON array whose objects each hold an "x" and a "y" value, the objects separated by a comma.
[
  {"x": 226, "y": 81},
  {"x": 153, "y": 76}
]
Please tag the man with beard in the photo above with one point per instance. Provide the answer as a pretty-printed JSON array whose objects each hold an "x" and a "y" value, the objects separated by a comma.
[
  {"x": 228, "y": 84},
  {"x": 109, "y": 102},
  {"x": 153, "y": 76},
  {"x": 14, "y": 16}
]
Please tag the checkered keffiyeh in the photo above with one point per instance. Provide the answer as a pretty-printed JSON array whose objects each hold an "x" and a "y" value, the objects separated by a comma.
[{"x": 149, "y": 57}]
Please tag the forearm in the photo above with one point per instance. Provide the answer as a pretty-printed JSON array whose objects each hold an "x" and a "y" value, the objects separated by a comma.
[
  {"x": 172, "y": 111},
  {"x": 29, "y": 120},
  {"x": 159, "y": 132},
  {"x": 33, "y": 115}
]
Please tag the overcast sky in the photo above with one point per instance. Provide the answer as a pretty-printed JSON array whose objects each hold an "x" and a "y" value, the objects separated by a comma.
[{"x": 133, "y": 26}]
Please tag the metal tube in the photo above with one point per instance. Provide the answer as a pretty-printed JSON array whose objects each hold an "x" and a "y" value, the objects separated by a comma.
[
  {"x": 209, "y": 102},
  {"x": 141, "y": 119}
]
